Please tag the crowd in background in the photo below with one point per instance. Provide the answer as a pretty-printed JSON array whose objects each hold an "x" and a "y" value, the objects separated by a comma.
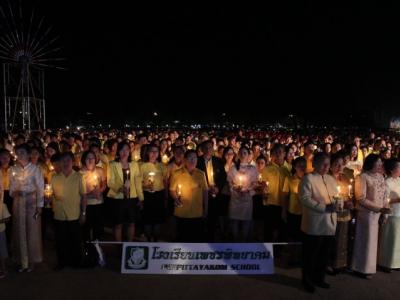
[{"x": 338, "y": 193}]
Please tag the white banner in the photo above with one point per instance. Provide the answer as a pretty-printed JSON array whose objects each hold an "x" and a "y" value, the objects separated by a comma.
[{"x": 197, "y": 259}]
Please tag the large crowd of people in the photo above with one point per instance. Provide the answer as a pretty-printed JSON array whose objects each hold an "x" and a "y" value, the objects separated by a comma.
[{"x": 337, "y": 193}]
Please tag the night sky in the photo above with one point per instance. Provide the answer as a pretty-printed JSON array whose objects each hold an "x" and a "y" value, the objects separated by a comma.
[{"x": 192, "y": 61}]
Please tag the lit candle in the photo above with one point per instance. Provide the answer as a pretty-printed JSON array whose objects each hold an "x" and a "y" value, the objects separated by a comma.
[
  {"x": 95, "y": 182},
  {"x": 350, "y": 187},
  {"x": 260, "y": 179},
  {"x": 179, "y": 190},
  {"x": 151, "y": 176},
  {"x": 351, "y": 180},
  {"x": 339, "y": 190},
  {"x": 48, "y": 191},
  {"x": 240, "y": 181},
  {"x": 179, "y": 194},
  {"x": 151, "y": 180},
  {"x": 165, "y": 159},
  {"x": 127, "y": 181},
  {"x": 51, "y": 168}
]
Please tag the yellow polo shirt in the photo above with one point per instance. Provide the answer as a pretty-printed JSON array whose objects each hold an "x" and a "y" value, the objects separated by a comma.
[
  {"x": 291, "y": 187},
  {"x": 275, "y": 175},
  {"x": 309, "y": 165},
  {"x": 68, "y": 192},
  {"x": 193, "y": 186},
  {"x": 160, "y": 174}
]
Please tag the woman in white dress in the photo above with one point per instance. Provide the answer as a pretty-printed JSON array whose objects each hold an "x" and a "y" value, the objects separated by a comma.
[
  {"x": 389, "y": 248},
  {"x": 371, "y": 195}
]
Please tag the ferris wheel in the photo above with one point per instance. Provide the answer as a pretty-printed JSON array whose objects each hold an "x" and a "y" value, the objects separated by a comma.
[{"x": 27, "y": 48}]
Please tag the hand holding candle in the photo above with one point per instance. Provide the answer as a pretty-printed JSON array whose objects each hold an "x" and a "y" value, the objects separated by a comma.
[
  {"x": 95, "y": 181},
  {"x": 165, "y": 159},
  {"x": 386, "y": 208},
  {"x": 338, "y": 200},
  {"x": 48, "y": 193},
  {"x": 127, "y": 185},
  {"x": 150, "y": 179},
  {"x": 350, "y": 190},
  {"x": 240, "y": 183},
  {"x": 178, "y": 202},
  {"x": 260, "y": 179}
]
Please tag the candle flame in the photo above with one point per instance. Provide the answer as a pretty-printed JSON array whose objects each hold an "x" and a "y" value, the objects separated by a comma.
[{"x": 339, "y": 189}]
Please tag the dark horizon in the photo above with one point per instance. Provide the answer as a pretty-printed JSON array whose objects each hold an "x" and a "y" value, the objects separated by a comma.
[{"x": 188, "y": 63}]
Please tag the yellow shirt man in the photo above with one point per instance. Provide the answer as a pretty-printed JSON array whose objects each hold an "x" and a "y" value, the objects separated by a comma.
[
  {"x": 275, "y": 175},
  {"x": 291, "y": 187},
  {"x": 192, "y": 188},
  {"x": 309, "y": 166},
  {"x": 68, "y": 192}
]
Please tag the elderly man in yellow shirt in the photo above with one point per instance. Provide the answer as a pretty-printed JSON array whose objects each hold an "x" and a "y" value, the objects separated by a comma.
[
  {"x": 275, "y": 175},
  {"x": 188, "y": 187},
  {"x": 69, "y": 209}
]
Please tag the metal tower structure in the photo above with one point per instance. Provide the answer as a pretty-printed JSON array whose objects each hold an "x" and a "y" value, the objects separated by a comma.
[{"x": 27, "y": 50}]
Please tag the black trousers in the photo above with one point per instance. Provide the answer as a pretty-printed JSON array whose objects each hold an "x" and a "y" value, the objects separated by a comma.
[
  {"x": 68, "y": 242},
  {"x": 274, "y": 227},
  {"x": 8, "y": 201},
  {"x": 190, "y": 230},
  {"x": 316, "y": 253},
  {"x": 212, "y": 218},
  {"x": 47, "y": 222},
  {"x": 93, "y": 228},
  {"x": 294, "y": 224}
]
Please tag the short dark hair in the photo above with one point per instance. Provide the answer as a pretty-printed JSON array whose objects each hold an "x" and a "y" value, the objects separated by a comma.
[
  {"x": 319, "y": 157},
  {"x": 275, "y": 148},
  {"x": 370, "y": 161},
  {"x": 390, "y": 165},
  {"x": 336, "y": 156},
  {"x": 297, "y": 161},
  {"x": 188, "y": 152},
  {"x": 175, "y": 147},
  {"x": 54, "y": 145},
  {"x": 23, "y": 147},
  {"x": 67, "y": 154},
  {"x": 55, "y": 157},
  {"x": 205, "y": 143}
]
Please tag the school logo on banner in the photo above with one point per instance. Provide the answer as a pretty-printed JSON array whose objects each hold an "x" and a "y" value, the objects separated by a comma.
[
  {"x": 197, "y": 259},
  {"x": 137, "y": 258}
]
